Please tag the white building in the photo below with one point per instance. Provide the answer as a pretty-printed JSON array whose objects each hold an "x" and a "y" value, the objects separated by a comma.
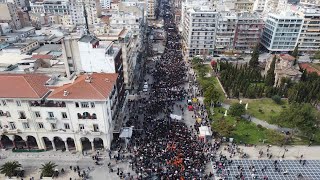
[
  {"x": 58, "y": 7},
  {"x": 96, "y": 55},
  {"x": 93, "y": 9},
  {"x": 151, "y": 9},
  {"x": 227, "y": 22},
  {"x": 105, "y": 4},
  {"x": 199, "y": 23},
  {"x": 310, "y": 3},
  {"x": 127, "y": 20},
  {"x": 309, "y": 39},
  {"x": 76, "y": 116},
  {"x": 281, "y": 32},
  {"x": 258, "y": 5}
]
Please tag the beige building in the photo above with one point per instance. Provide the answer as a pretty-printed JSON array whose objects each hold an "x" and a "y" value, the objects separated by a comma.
[
  {"x": 244, "y": 5},
  {"x": 8, "y": 14},
  {"x": 284, "y": 68},
  {"x": 152, "y": 5}
]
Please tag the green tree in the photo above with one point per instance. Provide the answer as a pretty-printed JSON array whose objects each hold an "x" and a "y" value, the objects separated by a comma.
[
  {"x": 301, "y": 116},
  {"x": 276, "y": 99},
  {"x": 254, "y": 61},
  {"x": 47, "y": 169},
  {"x": 270, "y": 78},
  {"x": 211, "y": 95},
  {"x": 237, "y": 109},
  {"x": 10, "y": 168},
  {"x": 295, "y": 54}
]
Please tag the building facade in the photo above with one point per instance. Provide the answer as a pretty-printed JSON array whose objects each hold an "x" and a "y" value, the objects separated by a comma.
[
  {"x": 60, "y": 7},
  {"x": 248, "y": 31},
  {"x": 243, "y": 5},
  {"x": 227, "y": 22},
  {"x": 65, "y": 118},
  {"x": 199, "y": 26},
  {"x": 9, "y": 14},
  {"x": 93, "y": 9},
  {"x": 309, "y": 39},
  {"x": 281, "y": 32},
  {"x": 151, "y": 9}
]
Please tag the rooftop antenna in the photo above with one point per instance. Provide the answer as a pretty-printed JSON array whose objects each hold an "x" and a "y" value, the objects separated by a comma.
[{"x": 86, "y": 19}]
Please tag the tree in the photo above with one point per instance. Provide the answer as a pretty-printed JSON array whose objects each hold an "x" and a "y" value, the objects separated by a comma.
[
  {"x": 212, "y": 95},
  {"x": 301, "y": 116},
  {"x": 237, "y": 109},
  {"x": 254, "y": 61},
  {"x": 10, "y": 168},
  {"x": 47, "y": 169},
  {"x": 270, "y": 78},
  {"x": 295, "y": 54},
  {"x": 276, "y": 99}
]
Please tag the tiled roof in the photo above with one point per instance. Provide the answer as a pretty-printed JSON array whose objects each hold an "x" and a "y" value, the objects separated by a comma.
[
  {"x": 42, "y": 56},
  {"x": 99, "y": 87},
  {"x": 23, "y": 85},
  {"x": 309, "y": 68},
  {"x": 287, "y": 57}
]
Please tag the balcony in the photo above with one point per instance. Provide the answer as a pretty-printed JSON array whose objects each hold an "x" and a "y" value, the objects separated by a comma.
[
  {"x": 47, "y": 104},
  {"x": 51, "y": 119},
  {"x": 87, "y": 116},
  {"x": 13, "y": 131},
  {"x": 95, "y": 133}
]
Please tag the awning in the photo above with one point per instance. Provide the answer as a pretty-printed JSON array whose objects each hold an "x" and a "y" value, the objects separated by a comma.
[
  {"x": 205, "y": 131},
  {"x": 126, "y": 132}
]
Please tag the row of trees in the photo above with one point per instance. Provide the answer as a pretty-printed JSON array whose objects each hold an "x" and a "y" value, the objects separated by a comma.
[{"x": 13, "y": 168}]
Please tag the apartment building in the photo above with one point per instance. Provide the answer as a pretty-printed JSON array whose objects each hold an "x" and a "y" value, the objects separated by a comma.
[
  {"x": 105, "y": 4},
  {"x": 309, "y": 39},
  {"x": 243, "y": 5},
  {"x": 151, "y": 9},
  {"x": 76, "y": 116},
  {"x": 258, "y": 5},
  {"x": 281, "y": 31},
  {"x": 248, "y": 31},
  {"x": 93, "y": 9},
  {"x": 9, "y": 14},
  {"x": 22, "y": 47},
  {"x": 58, "y": 7},
  {"x": 199, "y": 27},
  {"x": 227, "y": 22},
  {"x": 310, "y": 3}
]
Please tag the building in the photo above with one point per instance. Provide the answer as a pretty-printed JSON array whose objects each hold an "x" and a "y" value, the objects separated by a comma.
[
  {"x": 57, "y": 7},
  {"x": 127, "y": 20},
  {"x": 243, "y": 5},
  {"x": 227, "y": 23},
  {"x": 21, "y": 47},
  {"x": 151, "y": 9},
  {"x": 9, "y": 14},
  {"x": 43, "y": 115},
  {"x": 248, "y": 31},
  {"x": 270, "y": 6},
  {"x": 258, "y": 5},
  {"x": 310, "y": 3},
  {"x": 284, "y": 68},
  {"x": 105, "y": 4},
  {"x": 92, "y": 7},
  {"x": 281, "y": 32},
  {"x": 309, "y": 39},
  {"x": 199, "y": 26}
]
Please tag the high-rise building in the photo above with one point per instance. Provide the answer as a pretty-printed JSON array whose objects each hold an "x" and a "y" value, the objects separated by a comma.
[
  {"x": 92, "y": 7},
  {"x": 199, "y": 25},
  {"x": 281, "y": 31},
  {"x": 258, "y": 5},
  {"x": 243, "y": 5},
  {"x": 310, "y": 3},
  {"x": 9, "y": 14},
  {"x": 59, "y": 7},
  {"x": 309, "y": 39},
  {"x": 151, "y": 9},
  {"x": 105, "y": 4},
  {"x": 226, "y": 28},
  {"x": 248, "y": 31}
]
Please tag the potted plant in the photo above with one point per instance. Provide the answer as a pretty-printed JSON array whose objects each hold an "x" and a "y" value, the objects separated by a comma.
[
  {"x": 10, "y": 169},
  {"x": 47, "y": 170}
]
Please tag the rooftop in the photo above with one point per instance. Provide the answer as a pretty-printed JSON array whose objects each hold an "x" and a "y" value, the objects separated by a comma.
[
  {"x": 286, "y": 57},
  {"x": 310, "y": 68},
  {"x": 88, "y": 39},
  {"x": 23, "y": 86},
  {"x": 11, "y": 58},
  {"x": 96, "y": 86},
  {"x": 45, "y": 49}
]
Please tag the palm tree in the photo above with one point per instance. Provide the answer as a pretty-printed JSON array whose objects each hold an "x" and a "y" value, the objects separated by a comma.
[
  {"x": 47, "y": 169},
  {"x": 10, "y": 168}
]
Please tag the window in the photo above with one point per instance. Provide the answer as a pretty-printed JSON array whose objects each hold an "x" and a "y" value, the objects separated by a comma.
[
  {"x": 53, "y": 125},
  {"x": 50, "y": 114},
  {"x": 40, "y": 125},
  {"x": 25, "y": 125},
  {"x": 92, "y": 105},
  {"x": 12, "y": 125},
  {"x": 64, "y": 115},
  {"x": 37, "y": 114},
  {"x": 18, "y": 103},
  {"x": 4, "y": 102},
  {"x": 95, "y": 127},
  {"x": 84, "y": 104},
  {"x": 66, "y": 126},
  {"x": 81, "y": 126},
  {"x": 22, "y": 115},
  {"x": 77, "y": 104}
]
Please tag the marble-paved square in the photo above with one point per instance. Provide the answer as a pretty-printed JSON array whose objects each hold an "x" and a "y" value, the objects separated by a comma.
[{"x": 310, "y": 171}]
